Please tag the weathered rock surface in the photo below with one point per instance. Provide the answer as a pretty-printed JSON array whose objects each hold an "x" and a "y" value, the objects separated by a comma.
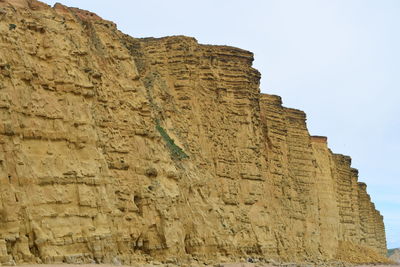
[{"x": 116, "y": 149}]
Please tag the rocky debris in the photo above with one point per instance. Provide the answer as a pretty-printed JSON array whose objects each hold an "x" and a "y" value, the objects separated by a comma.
[
  {"x": 122, "y": 150},
  {"x": 394, "y": 255}
]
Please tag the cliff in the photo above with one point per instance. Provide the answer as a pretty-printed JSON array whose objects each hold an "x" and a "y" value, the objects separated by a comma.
[{"x": 114, "y": 148}]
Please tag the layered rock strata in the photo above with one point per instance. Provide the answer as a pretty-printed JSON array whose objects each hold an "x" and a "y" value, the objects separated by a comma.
[{"x": 114, "y": 148}]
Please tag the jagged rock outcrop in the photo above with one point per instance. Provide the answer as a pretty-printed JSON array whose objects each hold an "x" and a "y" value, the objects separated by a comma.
[{"x": 114, "y": 148}]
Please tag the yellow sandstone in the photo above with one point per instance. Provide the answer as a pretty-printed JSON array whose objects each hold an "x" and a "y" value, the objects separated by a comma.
[{"x": 117, "y": 149}]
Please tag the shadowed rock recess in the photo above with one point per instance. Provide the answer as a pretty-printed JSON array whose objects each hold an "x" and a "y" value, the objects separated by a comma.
[{"x": 114, "y": 148}]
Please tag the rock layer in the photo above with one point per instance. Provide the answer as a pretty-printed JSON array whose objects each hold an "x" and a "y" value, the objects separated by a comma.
[{"x": 114, "y": 148}]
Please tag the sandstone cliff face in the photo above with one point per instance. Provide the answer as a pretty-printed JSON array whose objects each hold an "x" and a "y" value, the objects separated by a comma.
[
  {"x": 320, "y": 197},
  {"x": 113, "y": 147}
]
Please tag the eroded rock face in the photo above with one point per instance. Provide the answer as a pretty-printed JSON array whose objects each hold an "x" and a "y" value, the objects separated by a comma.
[{"x": 121, "y": 149}]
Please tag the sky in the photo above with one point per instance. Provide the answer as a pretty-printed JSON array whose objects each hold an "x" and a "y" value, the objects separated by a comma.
[{"x": 338, "y": 60}]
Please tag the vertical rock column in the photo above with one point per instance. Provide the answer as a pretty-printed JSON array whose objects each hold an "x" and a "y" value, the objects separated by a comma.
[
  {"x": 327, "y": 199},
  {"x": 276, "y": 153},
  {"x": 345, "y": 197},
  {"x": 371, "y": 222},
  {"x": 302, "y": 173},
  {"x": 292, "y": 173}
]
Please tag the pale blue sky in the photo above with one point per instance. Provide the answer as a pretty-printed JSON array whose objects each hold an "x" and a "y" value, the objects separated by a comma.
[{"x": 338, "y": 60}]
